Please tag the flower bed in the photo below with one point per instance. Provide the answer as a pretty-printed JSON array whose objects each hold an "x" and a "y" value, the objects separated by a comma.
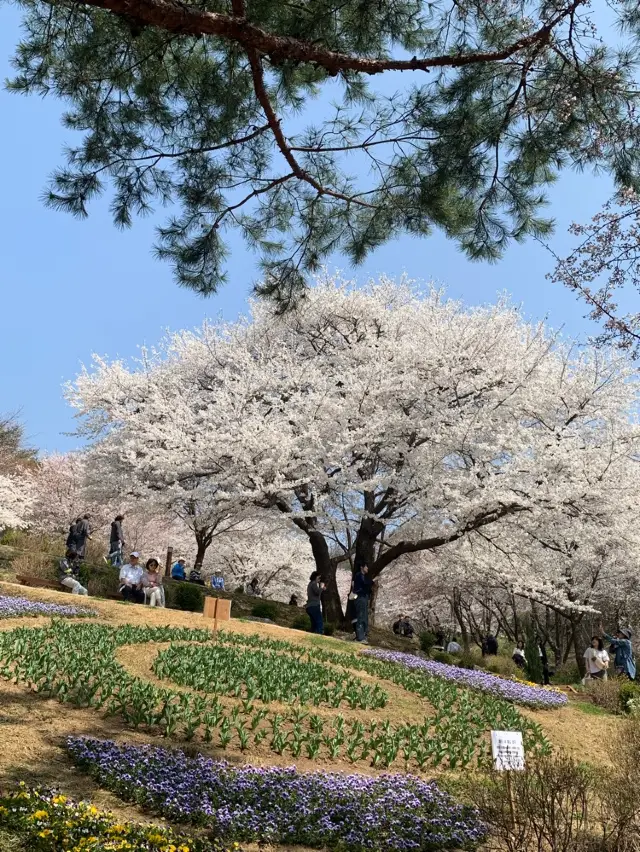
[
  {"x": 275, "y": 805},
  {"x": 49, "y": 822},
  {"x": 265, "y": 675},
  {"x": 16, "y": 607},
  {"x": 519, "y": 693}
]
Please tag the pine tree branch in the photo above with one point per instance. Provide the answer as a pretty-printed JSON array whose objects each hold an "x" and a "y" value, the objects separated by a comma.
[
  {"x": 178, "y": 17},
  {"x": 274, "y": 123}
]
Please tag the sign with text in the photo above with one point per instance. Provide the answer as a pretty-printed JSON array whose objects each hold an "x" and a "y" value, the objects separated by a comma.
[{"x": 508, "y": 750}]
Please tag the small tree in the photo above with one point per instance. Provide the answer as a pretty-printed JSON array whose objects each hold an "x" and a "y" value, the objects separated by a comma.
[{"x": 532, "y": 653}]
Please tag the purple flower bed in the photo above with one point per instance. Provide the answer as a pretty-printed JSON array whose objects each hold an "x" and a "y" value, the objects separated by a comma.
[
  {"x": 519, "y": 693},
  {"x": 16, "y": 607},
  {"x": 275, "y": 805}
]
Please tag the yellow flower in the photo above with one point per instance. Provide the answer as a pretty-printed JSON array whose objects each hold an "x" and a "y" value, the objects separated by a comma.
[
  {"x": 39, "y": 815},
  {"x": 45, "y": 833},
  {"x": 3, "y": 811},
  {"x": 59, "y": 800},
  {"x": 154, "y": 837}
]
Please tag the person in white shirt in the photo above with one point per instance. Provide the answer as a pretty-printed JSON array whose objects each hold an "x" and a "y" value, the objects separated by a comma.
[
  {"x": 597, "y": 660},
  {"x": 518, "y": 655},
  {"x": 131, "y": 580},
  {"x": 454, "y": 646}
]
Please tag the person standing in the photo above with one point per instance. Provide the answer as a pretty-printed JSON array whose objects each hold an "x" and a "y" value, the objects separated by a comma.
[
  {"x": 68, "y": 570},
  {"x": 362, "y": 588},
  {"x": 314, "y": 603},
  {"x": 544, "y": 661},
  {"x": 596, "y": 660},
  {"x": 83, "y": 534},
  {"x": 116, "y": 541},
  {"x": 70, "y": 543},
  {"x": 622, "y": 650},
  {"x": 131, "y": 580}
]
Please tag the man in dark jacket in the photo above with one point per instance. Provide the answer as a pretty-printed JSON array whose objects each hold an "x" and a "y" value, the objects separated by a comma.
[
  {"x": 83, "y": 534},
  {"x": 362, "y": 588},
  {"x": 116, "y": 541}
]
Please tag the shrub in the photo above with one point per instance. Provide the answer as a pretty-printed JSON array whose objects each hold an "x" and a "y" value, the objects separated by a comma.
[
  {"x": 505, "y": 667},
  {"x": 466, "y": 661},
  {"x": 189, "y": 597},
  {"x": 302, "y": 622},
  {"x": 239, "y": 590},
  {"x": 265, "y": 610},
  {"x": 427, "y": 641},
  {"x": 567, "y": 673},
  {"x": 627, "y": 692},
  {"x": 329, "y": 628},
  {"x": 605, "y": 693},
  {"x": 443, "y": 657}
]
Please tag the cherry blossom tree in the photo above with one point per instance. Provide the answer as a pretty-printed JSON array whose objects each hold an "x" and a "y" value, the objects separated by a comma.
[
  {"x": 603, "y": 270},
  {"x": 379, "y": 421},
  {"x": 16, "y": 496},
  {"x": 60, "y": 494}
]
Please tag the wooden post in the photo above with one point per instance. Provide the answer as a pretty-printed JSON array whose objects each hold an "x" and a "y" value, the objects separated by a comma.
[{"x": 167, "y": 564}]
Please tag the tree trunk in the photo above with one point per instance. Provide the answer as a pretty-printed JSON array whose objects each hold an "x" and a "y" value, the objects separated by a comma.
[
  {"x": 575, "y": 641},
  {"x": 203, "y": 540},
  {"x": 372, "y": 605},
  {"x": 331, "y": 603}
]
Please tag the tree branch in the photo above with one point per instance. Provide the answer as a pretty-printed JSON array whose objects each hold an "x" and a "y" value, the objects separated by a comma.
[{"x": 174, "y": 16}]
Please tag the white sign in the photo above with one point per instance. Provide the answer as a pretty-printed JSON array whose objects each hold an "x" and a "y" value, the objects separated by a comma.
[{"x": 508, "y": 750}]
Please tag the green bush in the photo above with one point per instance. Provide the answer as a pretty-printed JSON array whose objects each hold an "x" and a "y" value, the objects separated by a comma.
[
  {"x": 427, "y": 641},
  {"x": 265, "y": 610},
  {"x": 302, "y": 622},
  {"x": 628, "y": 692},
  {"x": 443, "y": 657},
  {"x": 239, "y": 590},
  {"x": 466, "y": 661},
  {"x": 189, "y": 597},
  {"x": 329, "y": 628}
]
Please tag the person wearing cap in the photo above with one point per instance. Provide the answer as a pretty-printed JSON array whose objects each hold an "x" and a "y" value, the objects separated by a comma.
[
  {"x": 178, "y": 571},
  {"x": 622, "y": 648},
  {"x": 131, "y": 579}
]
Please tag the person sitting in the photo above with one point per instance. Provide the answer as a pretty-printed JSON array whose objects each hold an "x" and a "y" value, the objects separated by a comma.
[
  {"x": 253, "y": 588},
  {"x": 131, "y": 580},
  {"x": 454, "y": 646},
  {"x": 403, "y": 627},
  {"x": 195, "y": 576},
  {"x": 68, "y": 570},
  {"x": 178, "y": 572},
  {"x": 217, "y": 582},
  {"x": 293, "y": 600},
  {"x": 518, "y": 655},
  {"x": 152, "y": 583}
]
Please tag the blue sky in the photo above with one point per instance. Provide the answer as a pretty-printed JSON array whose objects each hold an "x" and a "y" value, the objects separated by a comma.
[{"x": 70, "y": 288}]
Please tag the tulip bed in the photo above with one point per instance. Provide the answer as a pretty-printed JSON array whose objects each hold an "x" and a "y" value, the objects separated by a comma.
[
  {"x": 266, "y": 676},
  {"x": 50, "y": 822},
  {"x": 519, "y": 693},
  {"x": 75, "y": 663},
  {"x": 354, "y": 813},
  {"x": 11, "y": 607}
]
